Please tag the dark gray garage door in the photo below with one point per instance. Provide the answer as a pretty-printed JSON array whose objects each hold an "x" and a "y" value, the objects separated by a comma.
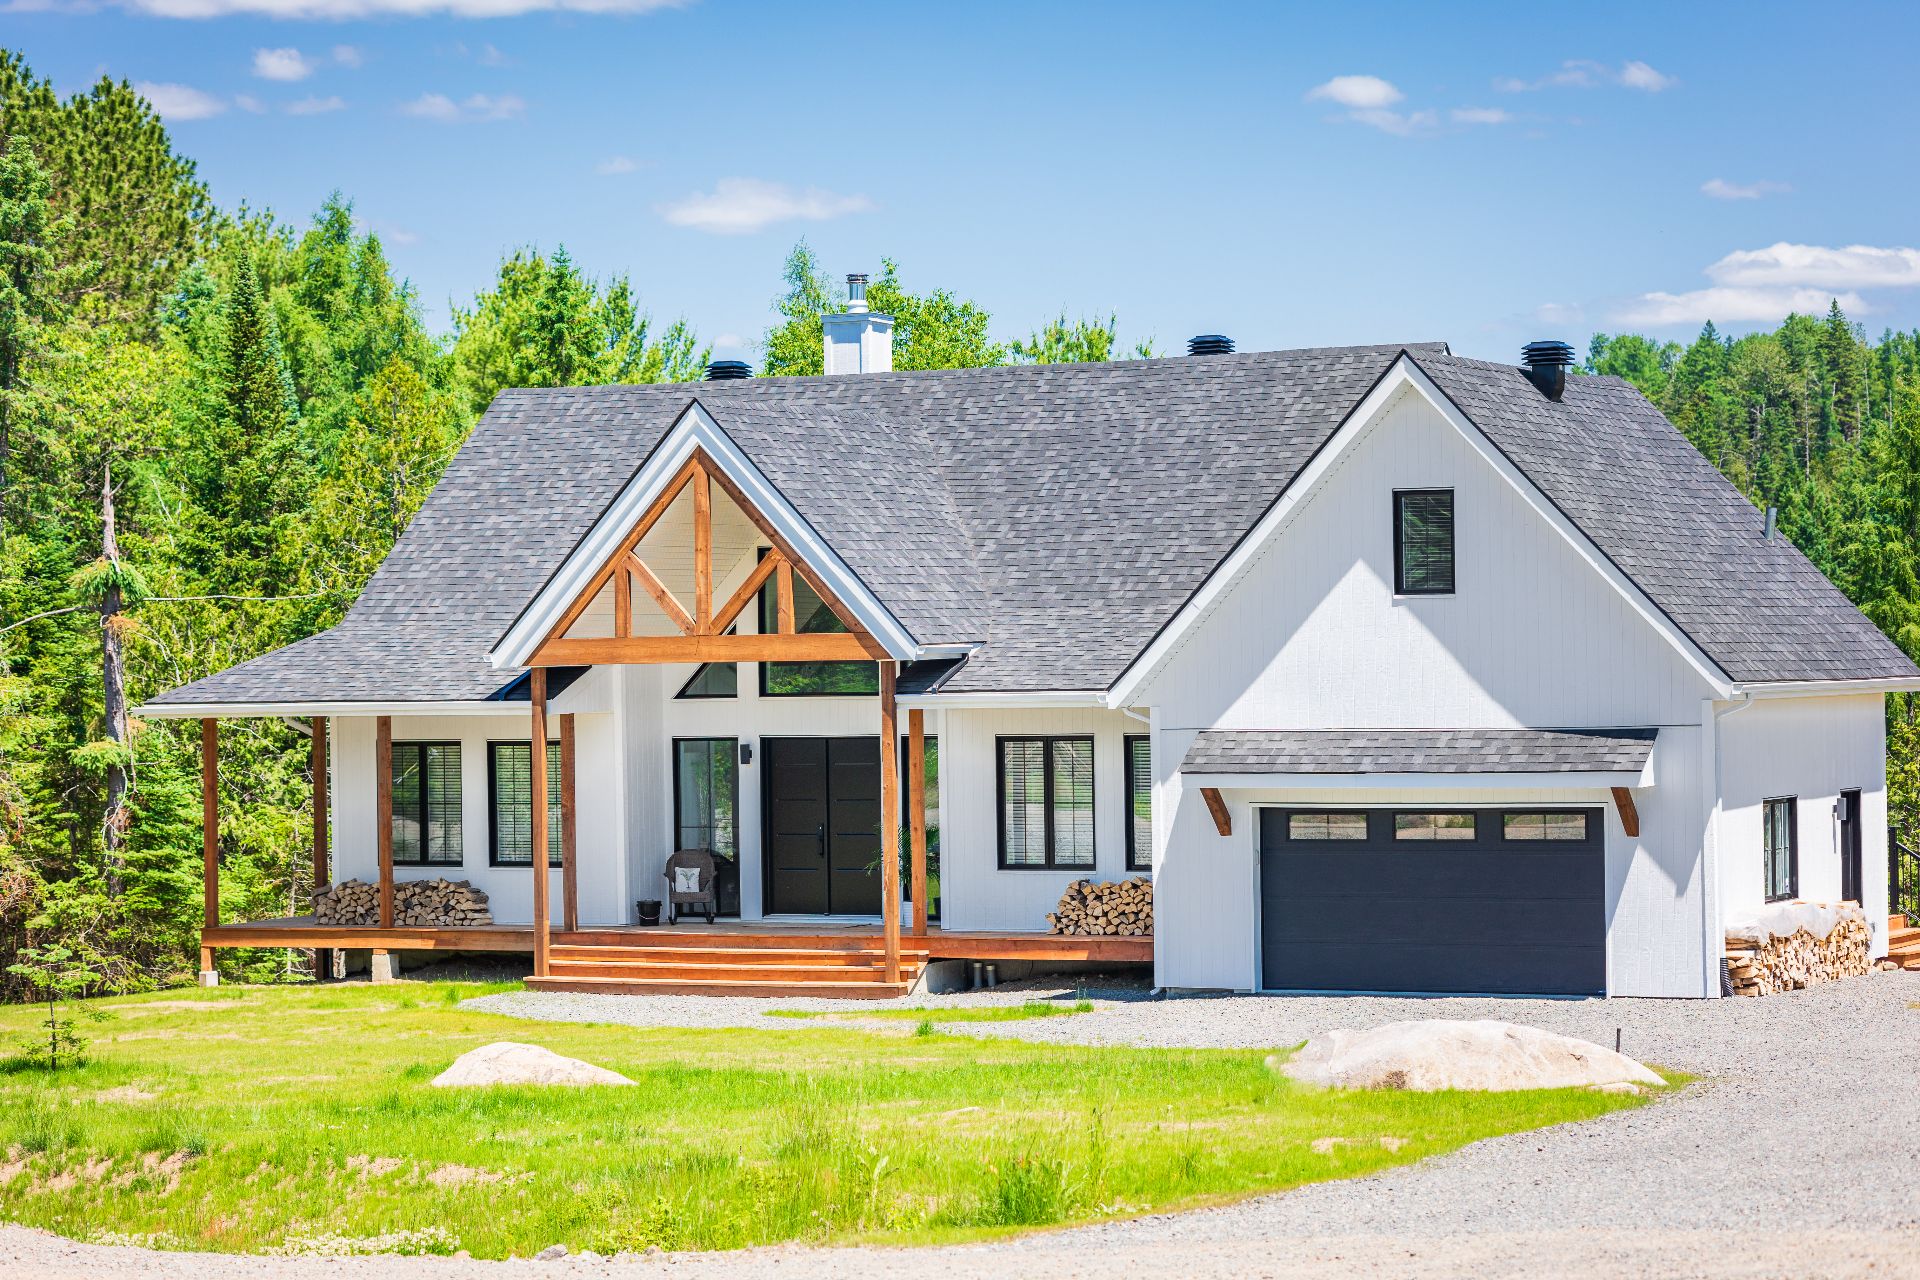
[{"x": 1488, "y": 900}]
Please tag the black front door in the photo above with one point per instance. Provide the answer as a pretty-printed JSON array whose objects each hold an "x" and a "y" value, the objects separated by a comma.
[
  {"x": 1852, "y": 872},
  {"x": 822, "y": 826}
]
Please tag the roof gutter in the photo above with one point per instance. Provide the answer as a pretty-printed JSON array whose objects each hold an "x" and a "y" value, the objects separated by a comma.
[
  {"x": 1008, "y": 701},
  {"x": 281, "y": 710},
  {"x": 1823, "y": 688}
]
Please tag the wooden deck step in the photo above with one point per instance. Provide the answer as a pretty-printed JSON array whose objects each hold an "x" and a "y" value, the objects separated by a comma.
[
  {"x": 720, "y": 987},
  {"x": 727, "y": 955},
  {"x": 728, "y": 939},
  {"x": 786, "y": 974}
]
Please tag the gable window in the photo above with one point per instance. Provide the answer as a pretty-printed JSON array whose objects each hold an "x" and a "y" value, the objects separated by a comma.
[
  {"x": 1046, "y": 802},
  {"x": 712, "y": 680},
  {"x": 426, "y": 804},
  {"x": 1423, "y": 542},
  {"x": 1779, "y": 831},
  {"x": 706, "y": 802},
  {"x": 510, "y": 789},
  {"x": 811, "y": 615},
  {"x": 1139, "y": 802}
]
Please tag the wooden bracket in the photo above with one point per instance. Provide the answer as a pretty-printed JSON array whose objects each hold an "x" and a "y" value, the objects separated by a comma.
[
  {"x": 1222, "y": 819},
  {"x": 1629, "y": 816}
]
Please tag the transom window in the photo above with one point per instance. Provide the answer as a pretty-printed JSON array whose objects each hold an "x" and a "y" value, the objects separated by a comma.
[
  {"x": 426, "y": 804},
  {"x": 1326, "y": 826},
  {"x": 1779, "y": 830},
  {"x": 1433, "y": 826},
  {"x": 1423, "y": 542},
  {"x": 510, "y": 782},
  {"x": 1544, "y": 826},
  {"x": 1046, "y": 802}
]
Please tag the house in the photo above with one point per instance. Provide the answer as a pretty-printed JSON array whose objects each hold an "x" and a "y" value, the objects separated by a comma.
[{"x": 1396, "y": 671}]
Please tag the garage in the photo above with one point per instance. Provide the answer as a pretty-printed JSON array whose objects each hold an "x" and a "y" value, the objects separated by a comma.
[{"x": 1439, "y": 900}]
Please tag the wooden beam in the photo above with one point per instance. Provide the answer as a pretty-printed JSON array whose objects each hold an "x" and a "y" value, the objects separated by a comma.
[
  {"x": 1222, "y": 820},
  {"x": 702, "y": 552},
  {"x": 542, "y": 926},
  {"x": 821, "y": 646},
  {"x": 783, "y": 599},
  {"x": 647, "y": 520},
  {"x": 678, "y": 616},
  {"x": 1629, "y": 816},
  {"x": 322, "y": 873},
  {"x": 569, "y": 869},
  {"x": 890, "y": 821},
  {"x": 383, "y": 812},
  {"x": 741, "y": 598},
  {"x": 917, "y": 815},
  {"x": 623, "y": 600},
  {"x": 210, "y": 822}
]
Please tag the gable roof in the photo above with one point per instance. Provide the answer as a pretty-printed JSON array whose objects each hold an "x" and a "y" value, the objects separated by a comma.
[
  {"x": 1057, "y": 516},
  {"x": 1358, "y": 751}
]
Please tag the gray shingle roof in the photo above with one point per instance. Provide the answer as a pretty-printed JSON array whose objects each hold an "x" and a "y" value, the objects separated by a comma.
[
  {"x": 1348, "y": 751},
  {"x": 1060, "y": 515}
]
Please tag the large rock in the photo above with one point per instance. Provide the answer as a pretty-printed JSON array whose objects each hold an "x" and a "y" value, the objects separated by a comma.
[
  {"x": 1483, "y": 1054},
  {"x": 506, "y": 1062}
]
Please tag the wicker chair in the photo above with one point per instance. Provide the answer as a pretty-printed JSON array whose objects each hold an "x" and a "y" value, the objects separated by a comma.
[{"x": 704, "y": 897}]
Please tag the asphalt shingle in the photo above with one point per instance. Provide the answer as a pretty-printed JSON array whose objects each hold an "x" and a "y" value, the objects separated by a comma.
[{"x": 1347, "y": 751}]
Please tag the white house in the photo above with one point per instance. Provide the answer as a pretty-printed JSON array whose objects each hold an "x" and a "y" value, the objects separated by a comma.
[{"x": 1394, "y": 670}]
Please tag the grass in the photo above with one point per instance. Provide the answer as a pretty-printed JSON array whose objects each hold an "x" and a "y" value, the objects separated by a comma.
[
  {"x": 302, "y": 1119},
  {"x": 976, "y": 1013}
]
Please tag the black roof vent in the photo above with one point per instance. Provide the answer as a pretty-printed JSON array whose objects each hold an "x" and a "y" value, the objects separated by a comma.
[
  {"x": 1210, "y": 344},
  {"x": 1547, "y": 364},
  {"x": 728, "y": 370}
]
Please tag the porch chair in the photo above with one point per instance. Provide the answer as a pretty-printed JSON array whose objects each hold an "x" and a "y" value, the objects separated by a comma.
[{"x": 698, "y": 864}]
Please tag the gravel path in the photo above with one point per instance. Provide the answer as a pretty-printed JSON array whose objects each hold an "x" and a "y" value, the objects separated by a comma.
[{"x": 1796, "y": 1154}]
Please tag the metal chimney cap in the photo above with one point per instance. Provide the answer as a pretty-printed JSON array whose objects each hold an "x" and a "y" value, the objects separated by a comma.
[
  {"x": 856, "y": 291},
  {"x": 728, "y": 370},
  {"x": 1547, "y": 352},
  {"x": 1210, "y": 344}
]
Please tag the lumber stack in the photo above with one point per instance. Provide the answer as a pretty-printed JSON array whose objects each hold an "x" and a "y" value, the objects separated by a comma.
[
  {"x": 1090, "y": 909},
  {"x": 1774, "y": 962},
  {"x": 432, "y": 904}
]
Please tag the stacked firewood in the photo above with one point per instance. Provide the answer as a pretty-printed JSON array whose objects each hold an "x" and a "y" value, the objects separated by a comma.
[
  {"x": 1103, "y": 910},
  {"x": 1788, "y": 962},
  {"x": 433, "y": 904}
]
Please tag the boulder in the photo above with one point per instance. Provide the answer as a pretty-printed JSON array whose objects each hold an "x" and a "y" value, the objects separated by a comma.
[
  {"x": 506, "y": 1062},
  {"x": 1438, "y": 1054}
]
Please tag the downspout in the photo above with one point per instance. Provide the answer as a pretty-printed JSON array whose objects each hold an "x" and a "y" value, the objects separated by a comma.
[{"x": 1712, "y": 922}]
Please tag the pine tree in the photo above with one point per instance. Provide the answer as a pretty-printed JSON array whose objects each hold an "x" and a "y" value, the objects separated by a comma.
[
  {"x": 29, "y": 282},
  {"x": 1840, "y": 357},
  {"x": 251, "y": 479}
]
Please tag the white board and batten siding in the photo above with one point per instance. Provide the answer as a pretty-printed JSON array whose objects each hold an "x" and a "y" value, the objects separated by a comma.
[{"x": 1313, "y": 637}]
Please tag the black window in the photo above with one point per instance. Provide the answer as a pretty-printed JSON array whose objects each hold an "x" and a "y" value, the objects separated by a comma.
[
  {"x": 1780, "y": 831},
  {"x": 426, "y": 803},
  {"x": 1423, "y": 542},
  {"x": 809, "y": 679},
  {"x": 713, "y": 680},
  {"x": 931, "y": 808},
  {"x": 1046, "y": 802},
  {"x": 1139, "y": 802},
  {"x": 510, "y": 786},
  {"x": 706, "y": 809}
]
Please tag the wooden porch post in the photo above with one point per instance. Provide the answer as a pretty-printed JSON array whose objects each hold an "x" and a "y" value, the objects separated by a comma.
[
  {"x": 890, "y": 820},
  {"x": 917, "y": 814},
  {"x": 538, "y": 780},
  {"x": 569, "y": 868},
  {"x": 383, "y": 812},
  {"x": 209, "y": 838},
  {"x": 322, "y": 876}
]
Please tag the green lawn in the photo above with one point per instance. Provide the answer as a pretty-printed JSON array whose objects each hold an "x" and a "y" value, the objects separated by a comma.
[
  {"x": 274, "y": 1118},
  {"x": 946, "y": 1013}
]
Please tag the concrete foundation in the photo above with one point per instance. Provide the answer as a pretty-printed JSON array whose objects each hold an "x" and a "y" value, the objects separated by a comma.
[
  {"x": 209, "y": 978},
  {"x": 386, "y": 966}
]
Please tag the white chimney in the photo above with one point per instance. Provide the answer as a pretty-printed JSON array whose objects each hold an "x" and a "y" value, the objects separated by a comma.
[{"x": 858, "y": 340}]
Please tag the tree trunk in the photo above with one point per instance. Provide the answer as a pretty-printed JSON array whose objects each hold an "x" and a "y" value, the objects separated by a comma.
[{"x": 114, "y": 687}]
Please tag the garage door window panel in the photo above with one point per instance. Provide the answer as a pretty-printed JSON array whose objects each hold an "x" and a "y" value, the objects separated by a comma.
[
  {"x": 1434, "y": 827},
  {"x": 1545, "y": 827},
  {"x": 1326, "y": 827}
]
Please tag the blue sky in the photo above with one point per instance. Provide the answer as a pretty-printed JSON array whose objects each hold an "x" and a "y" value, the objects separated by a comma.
[{"x": 1291, "y": 175}]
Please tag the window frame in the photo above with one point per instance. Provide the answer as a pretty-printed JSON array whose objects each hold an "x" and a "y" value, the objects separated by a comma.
[
  {"x": 460, "y": 849},
  {"x": 1793, "y": 848},
  {"x": 1400, "y": 587},
  {"x": 1589, "y": 833},
  {"x": 1135, "y": 860},
  {"x": 1473, "y": 831},
  {"x": 554, "y": 852},
  {"x": 1047, "y": 741},
  {"x": 674, "y": 755},
  {"x": 685, "y": 693},
  {"x": 764, "y": 607},
  {"x": 1366, "y": 829}
]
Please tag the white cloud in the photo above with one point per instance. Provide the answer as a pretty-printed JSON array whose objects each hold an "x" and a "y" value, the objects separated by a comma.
[
  {"x": 348, "y": 55},
  {"x": 1560, "y": 314},
  {"x": 477, "y": 107},
  {"x": 282, "y": 64},
  {"x": 247, "y": 102},
  {"x": 1480, "y": 115},
  {"x": 314, "y": 105},
  {"x": 1855, "y": 266},
  {"x": 1733, "y": 305},
  {"x": 489, "y": 56},
  {"x": 1399, "y": 123},
  {"x": 179, "y": 101},
  {"x": 1584, "y": 73},
  {"x": 741, "y": 206},
  {"x": 1356, "y": 93},
  {"x": 340, "y": 10},
  {"x": 615, "y": 164},
  {"x": 1721, "y": 189}
]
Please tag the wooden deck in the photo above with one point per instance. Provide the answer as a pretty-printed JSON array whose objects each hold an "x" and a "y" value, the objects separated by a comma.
[{"x": 935, "y": 944}]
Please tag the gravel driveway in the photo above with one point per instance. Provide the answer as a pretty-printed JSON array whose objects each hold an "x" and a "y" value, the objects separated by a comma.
[{"x": 1796, "y": 1154}]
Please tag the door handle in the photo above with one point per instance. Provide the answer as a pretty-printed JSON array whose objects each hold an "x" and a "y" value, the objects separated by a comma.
[{"x": 821, "y": 835}]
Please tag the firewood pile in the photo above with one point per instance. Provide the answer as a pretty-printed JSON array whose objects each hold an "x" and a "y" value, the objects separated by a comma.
[
  {"x": 1763, "y": 959},
  {"x": 433, "y": 904},
  {"x": 1105, "y": 910}
]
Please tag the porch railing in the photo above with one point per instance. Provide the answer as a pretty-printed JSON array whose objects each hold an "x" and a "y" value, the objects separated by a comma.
[{"x": 1903, "y": 879}]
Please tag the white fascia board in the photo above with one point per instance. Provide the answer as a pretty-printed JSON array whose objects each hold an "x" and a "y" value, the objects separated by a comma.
[
  {"x": 696, "y": 429},
  {"x": 1415, "y": 781},
  {"x": 1824, "y": 688},
  {"x": 1404, "y": 377},
  {"x": 270, "y": 710},
  {"x": 1080, "y": 699}
]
